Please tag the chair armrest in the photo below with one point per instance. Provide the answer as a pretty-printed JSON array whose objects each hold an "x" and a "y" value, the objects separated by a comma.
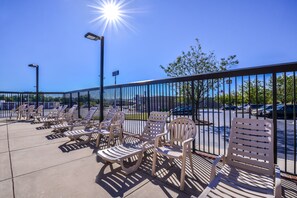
[
  {"x": 214, "y": 164},
  {"x": 277, "y": 182},
  {"x": 186, "y": 144},
  {"x": 158, "y": 137}
]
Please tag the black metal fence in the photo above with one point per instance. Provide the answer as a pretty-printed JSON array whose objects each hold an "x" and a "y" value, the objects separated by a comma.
[{"x": 212, "y": 101}]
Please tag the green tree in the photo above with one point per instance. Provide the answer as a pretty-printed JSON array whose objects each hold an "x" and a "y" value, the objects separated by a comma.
[{"x": 193, "y": 62}]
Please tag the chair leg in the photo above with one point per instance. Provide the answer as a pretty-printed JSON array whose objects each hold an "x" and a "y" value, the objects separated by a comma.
[
  {"x": 183, "y": 174},
  {"x": 98, "y": 140},
  {"x": 191, "y": 161},
  {"x": 154, "y": 163},
  {"x": 134, "y": 167}
]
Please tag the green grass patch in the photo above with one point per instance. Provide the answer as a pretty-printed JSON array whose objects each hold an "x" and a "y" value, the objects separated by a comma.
[{"x": 139, "y": 116}]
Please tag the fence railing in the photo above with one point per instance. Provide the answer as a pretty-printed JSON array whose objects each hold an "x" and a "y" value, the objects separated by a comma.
[{"x": 212, "y": 101}]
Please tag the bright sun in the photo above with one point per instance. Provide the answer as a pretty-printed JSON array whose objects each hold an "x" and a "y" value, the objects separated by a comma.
[{"x": 112, "y": 13}]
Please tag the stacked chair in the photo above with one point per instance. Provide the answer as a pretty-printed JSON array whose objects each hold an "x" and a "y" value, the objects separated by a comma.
[
  {"x": 111, "y": 128},
  {"x": 37, "y": 113},
  {"x": 54, "y": 117},
  {"x": 88, "y": 130},
  {"x": 71, "y": 123}
]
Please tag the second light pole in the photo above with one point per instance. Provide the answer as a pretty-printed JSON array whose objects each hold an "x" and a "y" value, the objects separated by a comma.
[
  {"x": 94, "y": 37},
  {"x": 115, "y": 73},
  {"x": 37, "y": 83}
]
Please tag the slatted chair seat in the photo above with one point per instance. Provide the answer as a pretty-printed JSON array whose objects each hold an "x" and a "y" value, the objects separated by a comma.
[
  {"x": 136, "y": 147},
  {"x": 174, "y": 151},
  {"x": 125, "y": 150},
  {"x": 249, "y": 170}
]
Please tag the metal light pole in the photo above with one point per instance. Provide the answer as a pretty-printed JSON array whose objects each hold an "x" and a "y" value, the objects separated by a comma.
[
  {"x": 37, "y": 81},
  {"x": 94, "y": 37},
  {"x": 115, "y": 74}
]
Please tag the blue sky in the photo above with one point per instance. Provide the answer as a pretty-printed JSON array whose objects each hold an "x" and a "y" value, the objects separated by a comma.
[{"x": 51, "y": 34}]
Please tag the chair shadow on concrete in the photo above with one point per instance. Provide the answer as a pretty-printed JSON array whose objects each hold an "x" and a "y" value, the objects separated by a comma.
[
  {"x": 73, "y": 146},
  {"x": 289, "y": 188},
  {"x": 43, "y": 127},
  {"x": 170, "y": 173},
  {"x": 116, "y": 182},
  {"x": 55, "y": 136}
]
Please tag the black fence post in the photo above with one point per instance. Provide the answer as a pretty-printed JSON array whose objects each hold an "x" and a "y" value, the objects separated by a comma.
[
  {"x": 194, "y": 111},
  {"x": 78, "y": 104},
  {"x": 121, "y": 102},
  {"x": 89, "y": 102},
  {"x": 274, "y": 116},
  {"x": 148, "y": 100}
]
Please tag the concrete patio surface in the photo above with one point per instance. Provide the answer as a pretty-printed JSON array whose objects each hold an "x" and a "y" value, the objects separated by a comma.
[{"x": 38, "y": 163}]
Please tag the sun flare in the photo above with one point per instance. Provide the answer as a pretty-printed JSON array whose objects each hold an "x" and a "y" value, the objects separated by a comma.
[{"x": 112, "y": 14}]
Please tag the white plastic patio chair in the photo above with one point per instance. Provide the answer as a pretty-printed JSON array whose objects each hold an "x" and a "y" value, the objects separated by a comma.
[
  {"x": 182, "y": 132},
  {"x": 118, "y": 154},
  {"x": 111, "y": 129},
  {"x": 249, "y": 169}
]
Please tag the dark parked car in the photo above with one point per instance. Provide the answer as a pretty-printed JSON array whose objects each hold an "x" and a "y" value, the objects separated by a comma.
[
  {"x": 229, "y": 107},
  {"x": 182, "y": 110},
  {"x": 280, "y": 111}
]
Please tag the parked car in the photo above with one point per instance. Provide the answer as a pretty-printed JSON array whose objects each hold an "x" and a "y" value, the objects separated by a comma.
[
  {"x": 260, "y": 110},
  {"x": 280, "y": 111},
  {"x": 249, "y": 108},
  {"x": 229, "y": 107},
  {"x": 240, "y": 107},
  {"x": 182, "y": 110}
]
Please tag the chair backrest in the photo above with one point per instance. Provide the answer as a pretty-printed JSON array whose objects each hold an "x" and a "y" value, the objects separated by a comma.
[
  {"x": 119, "y": 118},
  {"x": 70, "y": 112},
  {"x": 113, "y": 117},
  {"x": 181, "y": 129},
  {"x": 154, "y": 125},
  {"x": 110, "y": 114},
  {"x": 39, "y": 109},
  {"x": 251, "y": 145},
  {"x": 90, "y": 114},
  {"x": 72, "y": 109},
  {"x": 62, "y": 110},
  {"x": 31, "y": 108}
]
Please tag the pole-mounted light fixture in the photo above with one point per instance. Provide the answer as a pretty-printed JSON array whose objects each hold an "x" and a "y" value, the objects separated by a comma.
[
  {"x": 37, "y": 81},
  {"x": 94, "y": 37}
]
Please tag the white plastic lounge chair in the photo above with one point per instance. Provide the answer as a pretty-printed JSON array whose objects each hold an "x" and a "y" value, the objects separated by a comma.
[
  {"x": 54, "y": 117},
  {"x": 182, "y": 132},
  {"x": 111, "y": 129},
  {"x": 70, "y": 124},
  {"x": 154, "y": 126},
  {"x": 65, "y": 121},
  {"x": 89, "y": 130},
  {"x": 249, "y": 170}
]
